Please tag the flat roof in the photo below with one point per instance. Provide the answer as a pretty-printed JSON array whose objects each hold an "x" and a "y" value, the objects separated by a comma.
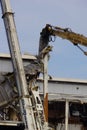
[
  {"x": 68, "y": 80},
  {"x": 24, "y": 56}
]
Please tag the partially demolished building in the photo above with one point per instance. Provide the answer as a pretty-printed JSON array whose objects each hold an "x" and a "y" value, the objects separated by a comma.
[{"x": 67, "y": 98}]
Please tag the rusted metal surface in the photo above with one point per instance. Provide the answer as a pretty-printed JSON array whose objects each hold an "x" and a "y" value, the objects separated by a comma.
[{"x": 46, "y": 107}]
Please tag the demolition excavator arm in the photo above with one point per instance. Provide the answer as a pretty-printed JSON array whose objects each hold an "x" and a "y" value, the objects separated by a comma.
[{"x": 65, "y": 33}]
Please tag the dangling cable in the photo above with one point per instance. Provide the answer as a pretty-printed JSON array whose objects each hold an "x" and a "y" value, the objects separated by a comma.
[{"x": 81, "y": 49}]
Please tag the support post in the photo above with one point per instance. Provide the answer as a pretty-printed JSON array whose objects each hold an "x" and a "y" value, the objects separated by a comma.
[
  {"x": 44, "y": 56},
  {"x": 66, "y": 114},
  {"x": 45, "y": 87}
]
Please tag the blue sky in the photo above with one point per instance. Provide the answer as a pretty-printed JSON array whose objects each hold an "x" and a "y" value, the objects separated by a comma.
[{"x": 66, "y": 61}]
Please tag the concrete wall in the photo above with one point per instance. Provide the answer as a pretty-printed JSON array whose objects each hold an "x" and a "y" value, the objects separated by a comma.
[{"x": 70, "y": 127}]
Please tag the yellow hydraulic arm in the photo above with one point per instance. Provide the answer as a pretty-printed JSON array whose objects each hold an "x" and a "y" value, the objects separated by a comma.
[{"x": 65, "y": 33}]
